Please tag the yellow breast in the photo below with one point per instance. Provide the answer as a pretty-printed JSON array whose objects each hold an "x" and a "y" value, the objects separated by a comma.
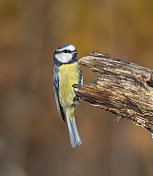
[{"x": 68, "y": 75}]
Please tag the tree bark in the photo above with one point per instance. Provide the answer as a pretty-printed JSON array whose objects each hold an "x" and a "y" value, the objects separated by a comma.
[{"x": 122, "y": 87}]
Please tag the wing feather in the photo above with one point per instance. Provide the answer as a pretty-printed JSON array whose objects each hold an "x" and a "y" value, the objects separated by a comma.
[{"x": 56, "y": 89}]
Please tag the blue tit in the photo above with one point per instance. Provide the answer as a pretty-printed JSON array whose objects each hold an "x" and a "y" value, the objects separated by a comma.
[{"x": 67, "y": 72}]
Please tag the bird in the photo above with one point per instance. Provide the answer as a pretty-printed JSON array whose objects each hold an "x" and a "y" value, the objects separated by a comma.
[{"x": 67, "y": 72}]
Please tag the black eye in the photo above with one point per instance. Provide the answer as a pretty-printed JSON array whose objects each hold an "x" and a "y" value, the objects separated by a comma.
[{"x": 65, "y": 51}]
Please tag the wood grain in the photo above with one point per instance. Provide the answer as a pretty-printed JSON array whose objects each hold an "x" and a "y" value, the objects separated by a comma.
[{"x": 122, "y": 87}]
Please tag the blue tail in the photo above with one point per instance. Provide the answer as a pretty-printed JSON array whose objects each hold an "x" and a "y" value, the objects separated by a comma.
[{"x": 73, "y": 132}]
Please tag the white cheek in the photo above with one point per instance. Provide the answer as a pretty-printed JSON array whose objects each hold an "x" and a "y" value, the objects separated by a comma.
[{"x": 64, "y": 57}]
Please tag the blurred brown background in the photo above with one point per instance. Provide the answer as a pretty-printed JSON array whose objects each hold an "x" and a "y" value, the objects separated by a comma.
[{"x": 33, "y": 139}]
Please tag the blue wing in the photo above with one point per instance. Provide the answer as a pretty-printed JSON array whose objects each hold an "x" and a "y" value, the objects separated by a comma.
[{"x": 56, "y": 89}]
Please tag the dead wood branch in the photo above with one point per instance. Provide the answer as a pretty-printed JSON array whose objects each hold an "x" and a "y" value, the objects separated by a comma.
[{"x": 122, "y": 87}]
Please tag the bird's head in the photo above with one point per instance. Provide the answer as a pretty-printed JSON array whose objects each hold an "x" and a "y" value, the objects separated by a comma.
[{"x": 65, "y": 54}]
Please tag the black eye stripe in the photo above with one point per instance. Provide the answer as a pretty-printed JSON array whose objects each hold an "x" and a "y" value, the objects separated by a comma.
[
  {"x": 63, "y": 51},
  {"x": 67, "y": 51}
]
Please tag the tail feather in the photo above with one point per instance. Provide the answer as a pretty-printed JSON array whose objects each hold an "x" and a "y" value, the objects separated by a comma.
[{"x": 73, "y": 132}]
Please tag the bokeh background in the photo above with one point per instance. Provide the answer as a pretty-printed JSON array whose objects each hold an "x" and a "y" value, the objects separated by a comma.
[{"x": 33, "y": 139}]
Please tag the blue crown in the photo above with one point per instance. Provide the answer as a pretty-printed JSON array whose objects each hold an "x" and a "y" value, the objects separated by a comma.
[{"x": 63, "y": 46}]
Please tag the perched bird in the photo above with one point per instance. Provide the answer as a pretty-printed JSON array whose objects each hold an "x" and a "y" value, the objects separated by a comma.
[{"x": 67, "y": 72}]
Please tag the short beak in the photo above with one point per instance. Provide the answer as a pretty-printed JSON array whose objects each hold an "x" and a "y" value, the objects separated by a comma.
[{"x": 75, "y": 52}]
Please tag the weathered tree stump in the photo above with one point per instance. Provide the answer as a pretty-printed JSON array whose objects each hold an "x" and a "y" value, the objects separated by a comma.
[{"x": 122, "y": 87}]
